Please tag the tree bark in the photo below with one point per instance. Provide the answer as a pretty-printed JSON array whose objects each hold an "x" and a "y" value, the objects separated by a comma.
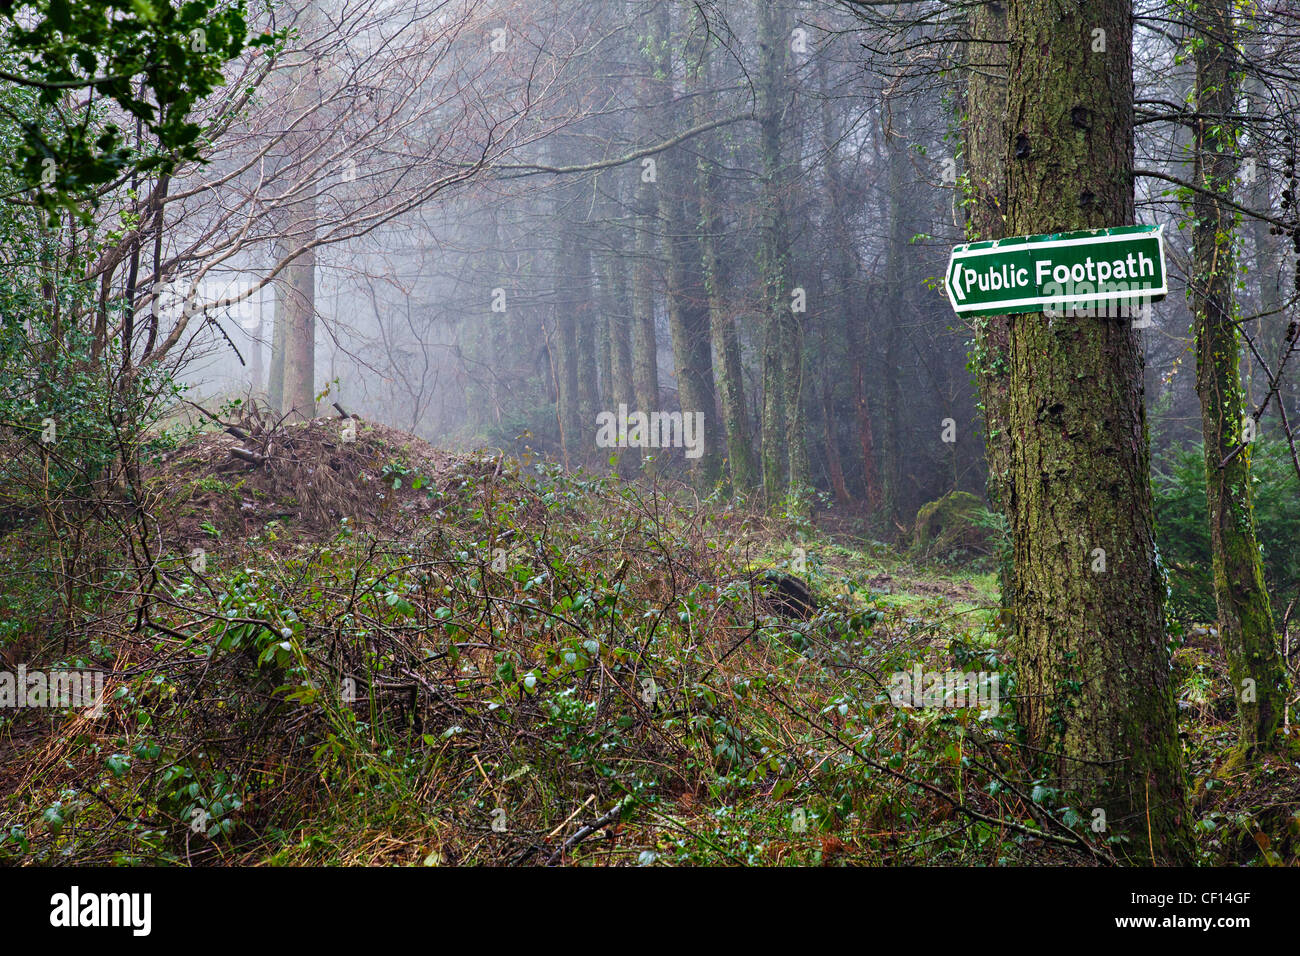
[
  {"x": 1259, "y": 678},
  {"x": 645, "y": 361},
  {"x": 688, "y": 304},
  {"x": 567, "y": 304},
  {"x": 724, "y": 338},
  {"x": 785, "y": 454},
  {"x": 895, "y": 302},
  {"x": 293, "y": 342},
  {"x": 986, "y": 186},
  {"x": 618, "y": 313},
  {"x": 299, "y": 316},
  {"x": 866, "y": 436},
  {"x": 1092, "y": 657}
]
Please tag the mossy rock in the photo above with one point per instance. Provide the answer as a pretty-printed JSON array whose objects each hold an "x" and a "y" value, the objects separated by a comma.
[{"x": 948, "y": 525}]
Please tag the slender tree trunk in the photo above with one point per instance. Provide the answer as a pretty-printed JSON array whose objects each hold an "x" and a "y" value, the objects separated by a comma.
[
  {"x": 497, "y": 322},
  {"x": 866, "y": 436},
  {"x": 785, "y": 455},
  {"x": 1259, "y": 679},
  {"x": 895, "y": 300},
  {"x": 299, "y": 341},
  {"x": 567, "y": 303},
  {"x": 603, "y": 332},
  {"x": 275, "y": 384},
  {"x": 688, "y": 305},
  {"x": 834, "y": 463},
  {"x": 585, "y": 318},
  {"x": 842, "y": 331},
  {"x": 891, "y": 451},
  {"x": 256, "y": 362},
  {"x": 986, "y": 185},
  {"x": 1268, "y": 258},
  {"x": 645, "y": 361},
  {"x": 618, "y": 314},
  {"x": 724, "y": 340},
  {"x": 1092, "y": 657},
  {"x": 293, "y": 344}
]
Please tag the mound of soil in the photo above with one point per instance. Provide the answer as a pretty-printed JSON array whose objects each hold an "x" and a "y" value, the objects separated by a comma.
[{"x": 308, "y": 476}]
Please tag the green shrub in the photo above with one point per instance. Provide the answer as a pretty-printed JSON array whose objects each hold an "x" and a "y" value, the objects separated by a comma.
[{"x": 1183, "y": 533}]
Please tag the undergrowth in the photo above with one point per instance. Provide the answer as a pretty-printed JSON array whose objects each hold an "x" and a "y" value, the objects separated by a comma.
[{"x": 521, "y": 666}]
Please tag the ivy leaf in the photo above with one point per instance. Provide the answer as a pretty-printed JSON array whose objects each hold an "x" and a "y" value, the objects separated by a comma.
[{"x": 118, "y": 765}]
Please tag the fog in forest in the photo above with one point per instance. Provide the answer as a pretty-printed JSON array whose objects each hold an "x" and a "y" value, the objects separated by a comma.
[{"x": 518, "y": 216}]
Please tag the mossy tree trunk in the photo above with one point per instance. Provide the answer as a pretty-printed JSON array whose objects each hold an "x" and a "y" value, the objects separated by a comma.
[
  {"x": 1094, "y": 691},
  {"x": 785, "y": 454},
  {"x": 723, "y": 335},
  {"x": 986, "y": 186},
  {"x": 1259, "y": 679},
  {"x": 688, "y": 303},
  {"x": 896, "y": 304}
]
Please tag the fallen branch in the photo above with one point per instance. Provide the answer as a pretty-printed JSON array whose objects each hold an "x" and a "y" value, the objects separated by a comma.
[
  {"x": 585, "y": 831},
  {"x": 230, "y": 429}
]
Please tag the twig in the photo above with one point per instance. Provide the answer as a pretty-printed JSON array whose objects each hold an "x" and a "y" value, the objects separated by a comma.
[{"x": 585, "y": 831}]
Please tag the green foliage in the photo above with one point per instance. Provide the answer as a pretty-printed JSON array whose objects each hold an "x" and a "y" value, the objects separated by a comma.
[
  {"x": 154, "y": 59},
  {"x": 1183, "y": 534}
]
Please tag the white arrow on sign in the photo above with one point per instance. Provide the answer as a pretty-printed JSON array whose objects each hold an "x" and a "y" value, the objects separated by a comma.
[{"x": 953, "y": 282}]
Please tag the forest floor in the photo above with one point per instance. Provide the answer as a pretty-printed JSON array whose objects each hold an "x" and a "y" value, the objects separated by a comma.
[{"x": 362, "y": 650}]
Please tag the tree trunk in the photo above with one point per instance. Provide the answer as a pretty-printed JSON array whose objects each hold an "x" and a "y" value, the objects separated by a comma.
[
  {"x": 618, "y": 313},
  {"x": 785, "y": 455},
  {"x": 834, "y": 463},
  {"x": 275, "y": 383},
  {"x": 1259, "y": 679},
  {"x": 1093, "y": 664},
  {"x": 894, "y": 300},
  {"x": 567, "y": 304},
  {"x": 645, "y": 361},
  {"x": 727, "y": 366},
  {"x": 866, "y": 436},
  {"x": 986, "y": 186},
  {"x": 1269, "y": 263},
  {"x": 299, "y": 317},
  {"x": 585, "y": 319},
  {"x": 688, "y": 305},
  {"x": 843, "y": 333},
  {"x": 293, "y": 358}
]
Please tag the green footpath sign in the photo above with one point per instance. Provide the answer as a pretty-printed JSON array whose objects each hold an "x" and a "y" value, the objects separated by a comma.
[{"x": 1093, "y": 269}]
